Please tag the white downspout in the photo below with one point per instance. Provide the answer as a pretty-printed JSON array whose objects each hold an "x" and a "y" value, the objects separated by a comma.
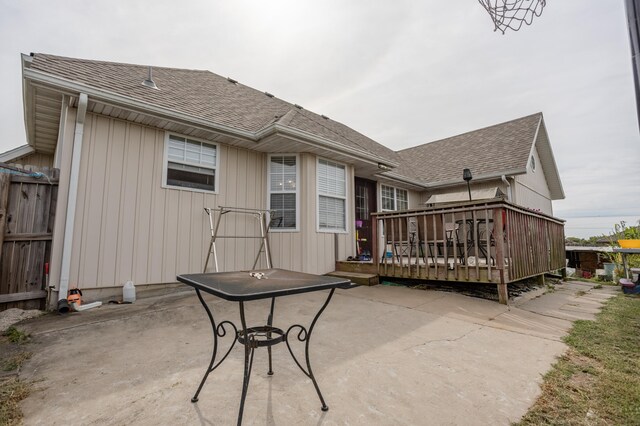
[
  {"x": 71, "y": 204},
  {"x": 506, "y": 182}
]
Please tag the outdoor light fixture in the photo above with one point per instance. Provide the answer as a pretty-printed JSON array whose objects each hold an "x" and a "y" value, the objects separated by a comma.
[{"x": 466, "y": 175}]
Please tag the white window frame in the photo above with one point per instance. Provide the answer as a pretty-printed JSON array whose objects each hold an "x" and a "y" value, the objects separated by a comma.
[
  {"x": 395, "y": 198},
  {"x": 346, "y": 198},
  {"x": 297, "y": 191},
  {"x": 165, "y": 164}
]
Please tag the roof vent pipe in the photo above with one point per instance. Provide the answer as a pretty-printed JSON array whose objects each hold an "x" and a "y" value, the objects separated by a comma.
[{"x": 149, "y": 81}]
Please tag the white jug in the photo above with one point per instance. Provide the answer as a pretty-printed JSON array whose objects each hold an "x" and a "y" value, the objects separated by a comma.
[{"x": 129, "y": 292}]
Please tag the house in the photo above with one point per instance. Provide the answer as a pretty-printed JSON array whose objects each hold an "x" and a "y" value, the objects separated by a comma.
[
  {"x": 142, "y": 151},
  {"x": 588, "y": 259}
]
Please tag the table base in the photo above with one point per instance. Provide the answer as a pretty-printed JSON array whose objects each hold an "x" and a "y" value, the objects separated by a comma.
[{"x": 261, "y": 336}]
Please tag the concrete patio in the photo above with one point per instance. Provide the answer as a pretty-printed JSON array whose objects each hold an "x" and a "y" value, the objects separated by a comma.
[{"x": 382, "y": 356}]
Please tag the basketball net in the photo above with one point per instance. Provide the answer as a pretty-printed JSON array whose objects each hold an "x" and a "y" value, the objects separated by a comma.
[{"x": 511, "y": 14}]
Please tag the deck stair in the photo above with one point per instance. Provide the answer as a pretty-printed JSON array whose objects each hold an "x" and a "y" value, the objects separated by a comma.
[{"x": 357, "y": 277}]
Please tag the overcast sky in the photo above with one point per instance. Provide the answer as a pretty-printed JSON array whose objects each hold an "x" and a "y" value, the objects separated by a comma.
[{"x": 402, "y": 72}]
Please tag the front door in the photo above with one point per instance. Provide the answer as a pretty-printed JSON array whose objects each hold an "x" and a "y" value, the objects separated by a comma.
[{"x": 365, "y": 205}]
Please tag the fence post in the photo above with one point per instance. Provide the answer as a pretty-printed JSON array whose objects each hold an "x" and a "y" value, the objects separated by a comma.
[
  {"x": 498, "y": 227},
  {"x": 5, "y": 182}
]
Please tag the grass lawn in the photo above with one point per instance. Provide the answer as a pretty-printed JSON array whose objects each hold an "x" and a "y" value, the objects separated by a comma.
[
  {"x": 597, "y": 382},
  {"x": 13, "y": 354}
]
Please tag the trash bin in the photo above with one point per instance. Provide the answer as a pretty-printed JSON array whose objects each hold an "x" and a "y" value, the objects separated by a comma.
[{"x": 609, "y": 268}]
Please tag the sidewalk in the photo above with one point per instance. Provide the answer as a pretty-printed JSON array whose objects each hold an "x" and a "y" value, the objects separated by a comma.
[{"x": 382, "y": 356}]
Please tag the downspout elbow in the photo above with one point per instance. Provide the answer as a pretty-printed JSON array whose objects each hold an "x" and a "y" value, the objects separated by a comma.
[{"x": 506, "y": 182}]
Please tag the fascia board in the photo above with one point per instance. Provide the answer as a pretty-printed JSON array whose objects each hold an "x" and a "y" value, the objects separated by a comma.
[
  {"x": 303, "y": 136},
  {"x": 27, "y": 104},
  {"x": 398, "y": 178},
  {"x": 546, "y": 145},
  {"x": 138, "y": 106},
  {"x": 16, "y": 153},
  {"x": 535, "y": 139},
  {"x": 478, "y": 178},
  {"x": 167, "y": 113}
]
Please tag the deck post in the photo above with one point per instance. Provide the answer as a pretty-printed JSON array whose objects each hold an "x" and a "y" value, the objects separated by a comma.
[
  {"x": 375, "y": 256},
  {"x": 503, "y": 294}
]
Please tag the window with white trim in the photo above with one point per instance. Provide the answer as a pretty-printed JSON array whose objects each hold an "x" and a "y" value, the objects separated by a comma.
[
  {"x": 283, "y": 192},
  {"x": 394, "y": 198},
  {"x": 332, "y": 196},
  {"x": 190, "y": 163}
]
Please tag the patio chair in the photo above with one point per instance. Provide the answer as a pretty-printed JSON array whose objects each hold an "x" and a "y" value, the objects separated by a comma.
[
  {"x": 432, "y": 238},
  {"x": 403, "y": 238}
]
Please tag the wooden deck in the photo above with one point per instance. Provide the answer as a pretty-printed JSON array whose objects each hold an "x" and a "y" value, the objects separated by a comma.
[{"x": 485, "y": 242}]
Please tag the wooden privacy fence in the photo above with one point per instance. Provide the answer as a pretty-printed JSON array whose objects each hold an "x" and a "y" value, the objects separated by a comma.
[
  {"x": 27, "y": 208},
  {"x": 485, "y": 242}
]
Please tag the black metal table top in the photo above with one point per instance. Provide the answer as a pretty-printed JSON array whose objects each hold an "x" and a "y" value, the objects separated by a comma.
[{"x": 241, "y": 286}]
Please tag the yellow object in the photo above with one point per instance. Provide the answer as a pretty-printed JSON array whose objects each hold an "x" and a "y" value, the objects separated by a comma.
[{"x": 629, "y": 244}]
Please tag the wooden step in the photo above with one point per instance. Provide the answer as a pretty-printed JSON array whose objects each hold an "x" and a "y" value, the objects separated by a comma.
[
  {"x": 356, "y": 277},
  {"x": 360, "y": 267}
]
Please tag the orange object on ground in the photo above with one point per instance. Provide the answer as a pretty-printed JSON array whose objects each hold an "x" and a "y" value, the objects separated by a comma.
[{"x": 75, "y": 296}]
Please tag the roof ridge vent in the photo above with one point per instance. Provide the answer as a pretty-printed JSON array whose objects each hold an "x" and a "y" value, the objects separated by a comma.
[
  {"x": 230, "y": 80},
  {"x": 297, "y": 106},
  {"x": 268, "y": 94},
  {"x": 148, "y": 82}
]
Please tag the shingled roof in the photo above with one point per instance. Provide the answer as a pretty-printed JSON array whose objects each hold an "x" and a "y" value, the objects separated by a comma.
[
  {"x": 495, "y": 150},
  {"x": 207, "y": 96}
]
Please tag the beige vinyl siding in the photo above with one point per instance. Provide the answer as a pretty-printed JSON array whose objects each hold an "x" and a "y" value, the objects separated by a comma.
[
  {"x": 36, "y": 160},
  {"x": 130, "y": 228},
  {"x": 414, "y": 199},
  {"x": 531, "y": 189}
]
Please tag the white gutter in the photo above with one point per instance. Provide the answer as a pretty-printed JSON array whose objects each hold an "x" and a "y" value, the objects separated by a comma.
[
  {"x": 398, "y": 178},
  {"x": 302, "y": 136},
  {"x": 479, "y": 178},
  {"x": 71, "y": 203},
  {"x": 16, "y": 153},
  {"x": 142, "y": 107},
  {"x": 171, "y": 114},
  {"x": 506, "y": 182}
]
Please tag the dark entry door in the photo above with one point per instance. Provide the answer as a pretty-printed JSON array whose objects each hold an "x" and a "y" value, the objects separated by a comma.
[{"x": 365, "y": 205}]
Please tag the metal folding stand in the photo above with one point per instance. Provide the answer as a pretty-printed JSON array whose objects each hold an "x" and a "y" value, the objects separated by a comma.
[
  {"x": 259, "y": 214},
  {"x": 246, "y": 336}
]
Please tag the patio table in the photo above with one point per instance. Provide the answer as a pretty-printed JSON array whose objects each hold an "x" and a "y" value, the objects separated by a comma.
[{"x": 245, "y": 286}]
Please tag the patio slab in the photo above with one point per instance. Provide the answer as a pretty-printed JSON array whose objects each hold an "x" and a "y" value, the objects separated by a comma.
[{"x": 382, "y": 355}]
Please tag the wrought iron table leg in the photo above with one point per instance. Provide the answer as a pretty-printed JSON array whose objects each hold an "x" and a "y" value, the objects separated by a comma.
[
  {"x": 269, "y": 324},
  {"x": 305, "y": 336},
  {"x": 218, "y": 331},
  {"x": 249, "y": 347}
]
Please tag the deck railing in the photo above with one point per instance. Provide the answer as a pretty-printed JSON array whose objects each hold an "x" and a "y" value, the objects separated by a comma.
[{"x": 487, "y": 242}]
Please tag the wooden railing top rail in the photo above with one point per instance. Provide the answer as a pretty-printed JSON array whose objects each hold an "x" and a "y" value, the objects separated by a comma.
[{"x": 466, "y": 207}]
